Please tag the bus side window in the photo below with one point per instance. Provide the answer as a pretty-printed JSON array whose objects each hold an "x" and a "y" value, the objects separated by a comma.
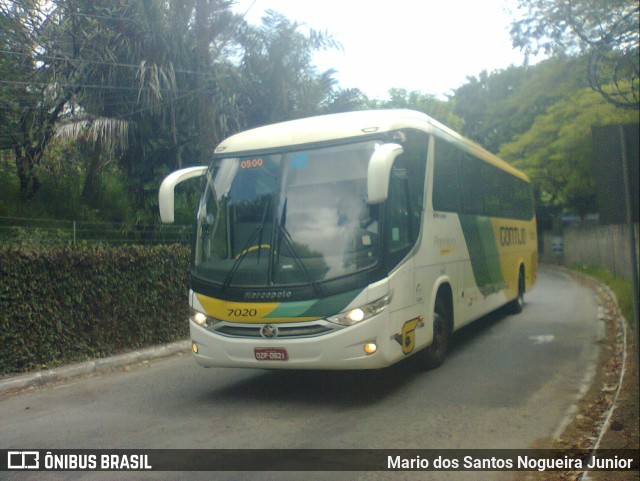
[
  {"x": 447, "y": 192},
  {"x": 491, "y": 192},
  {"x": 406, "y": 191},
  {"x": 522, "y": 200},
  {"x": 400, "y": 233}
]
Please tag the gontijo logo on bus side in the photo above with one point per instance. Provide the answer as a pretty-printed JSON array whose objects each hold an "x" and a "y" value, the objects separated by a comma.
[
  {"x": 484, "y": 237},
  {"x": 512, "y": 236}
]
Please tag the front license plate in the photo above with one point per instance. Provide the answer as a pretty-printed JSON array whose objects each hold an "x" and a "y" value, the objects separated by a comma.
[{"x": 271, "y": 353}]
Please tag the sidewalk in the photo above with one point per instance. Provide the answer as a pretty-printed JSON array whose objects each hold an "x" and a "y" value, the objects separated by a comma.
[{"x": 63, "y": 373}]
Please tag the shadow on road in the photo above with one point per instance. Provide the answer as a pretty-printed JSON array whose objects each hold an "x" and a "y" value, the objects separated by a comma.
[
  {"x": 342, "y": 388},
  {"x": 471, "y": 332},
  {"x": 339, "y": 388}
]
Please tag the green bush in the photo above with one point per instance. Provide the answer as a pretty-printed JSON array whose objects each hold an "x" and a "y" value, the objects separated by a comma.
[{"x": 66, "y": 304}]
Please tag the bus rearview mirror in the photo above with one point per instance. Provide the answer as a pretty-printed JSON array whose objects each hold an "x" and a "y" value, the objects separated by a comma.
[
  {"x": 379, "y": 172},
  {"x": 166, "y": 196}
]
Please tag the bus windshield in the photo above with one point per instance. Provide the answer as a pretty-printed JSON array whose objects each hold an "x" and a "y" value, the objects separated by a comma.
[{"x": 287, "y": 218}]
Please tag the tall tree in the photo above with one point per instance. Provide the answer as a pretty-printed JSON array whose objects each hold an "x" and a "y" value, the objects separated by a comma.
[
  {"x": 156, "y": 82},
  {"x": 148, "y": 65},
  {"x": 34, "y": 85},
  {"x": 606, "y": 30},
  {"x": 280, "y": 79}
]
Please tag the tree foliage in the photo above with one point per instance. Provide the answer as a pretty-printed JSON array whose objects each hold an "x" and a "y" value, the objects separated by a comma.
[
  {"x": 499, "y": 105},
  {"x": 347, "y": 100},
  {"x": 606, "y": 30},
  {"x": 145, "y": 87},
  {"x": 539, "y": 118},
  {"x": 440, "y": 110},
  {"x": 143, "y": 66},
  {"x": 35, "y": 86},
  {"x": 556, "y": 151},
  {"x": 154, "y": 83},
  {"x": 277, "y": 71}
]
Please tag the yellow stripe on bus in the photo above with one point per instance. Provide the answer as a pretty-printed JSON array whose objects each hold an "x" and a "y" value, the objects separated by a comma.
[{"x": 249, "y": 312}]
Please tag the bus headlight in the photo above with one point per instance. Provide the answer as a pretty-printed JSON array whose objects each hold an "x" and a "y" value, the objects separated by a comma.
[
  {"x": 202, "y": 319},
  {"x": 353, "y": 316},
  {"x": 199, "y": 318}
]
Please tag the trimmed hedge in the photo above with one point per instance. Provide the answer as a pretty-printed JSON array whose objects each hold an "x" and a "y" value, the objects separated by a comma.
[{"x": 65, "y": 304}]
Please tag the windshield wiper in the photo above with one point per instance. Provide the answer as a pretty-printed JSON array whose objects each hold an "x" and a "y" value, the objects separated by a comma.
[
  {"x": 286, "y": 236},
  {"x": 240, "y": 257}
]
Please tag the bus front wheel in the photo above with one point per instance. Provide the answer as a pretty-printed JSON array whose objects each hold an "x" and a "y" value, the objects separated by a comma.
[{"x": 436, "y": 352}]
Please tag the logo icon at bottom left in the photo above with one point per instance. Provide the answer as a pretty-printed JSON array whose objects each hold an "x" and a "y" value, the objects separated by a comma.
[{"x": 23, "y": 460}]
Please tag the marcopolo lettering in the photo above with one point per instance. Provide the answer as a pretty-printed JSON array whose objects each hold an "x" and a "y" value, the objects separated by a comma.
[
  {"x": 510, "y": 236},
  {"x": 267, "y": 295}
]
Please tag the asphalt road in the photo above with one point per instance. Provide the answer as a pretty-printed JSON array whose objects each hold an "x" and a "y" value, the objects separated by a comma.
[{"x": 509, "y": 382}]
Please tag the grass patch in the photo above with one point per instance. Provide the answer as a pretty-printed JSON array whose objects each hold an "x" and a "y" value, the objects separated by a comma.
[{"x": 621, "y": 287}]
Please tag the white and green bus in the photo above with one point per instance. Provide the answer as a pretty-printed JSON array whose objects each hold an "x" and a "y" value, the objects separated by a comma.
[{"x": 351, "y": 241}]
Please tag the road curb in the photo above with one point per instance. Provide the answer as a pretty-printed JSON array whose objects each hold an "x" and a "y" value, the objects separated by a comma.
[
  {"x": 602, "y": 291},
  {"x": 64, "y": 373}
]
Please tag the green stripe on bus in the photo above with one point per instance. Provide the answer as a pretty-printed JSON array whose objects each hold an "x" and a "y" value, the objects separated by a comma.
[
  {"x": 483, "y": 251},
  {"x": 318, "y": 308},
  {"x": 291, "y": 309},
  {"x": 332, "y": 305}
]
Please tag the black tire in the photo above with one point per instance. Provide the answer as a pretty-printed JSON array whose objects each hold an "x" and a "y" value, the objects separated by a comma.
[
  {"x": 517, "y": 305},
  {"x": 437, "y": 351}
]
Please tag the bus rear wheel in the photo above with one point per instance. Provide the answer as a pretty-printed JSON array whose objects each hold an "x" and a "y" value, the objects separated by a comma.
[
  {"x": 517, "y": 305},
  {"x": 437, "y": 351}
]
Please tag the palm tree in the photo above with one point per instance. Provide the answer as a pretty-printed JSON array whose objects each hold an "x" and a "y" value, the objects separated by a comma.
[
  {"x": 281, "y": 81},
  {"x": 34, "y": 90},
  {"x": 145, "y": 87}
]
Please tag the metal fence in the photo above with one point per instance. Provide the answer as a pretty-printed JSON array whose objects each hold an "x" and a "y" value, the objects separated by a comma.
[{"x": 48, "y": 232}]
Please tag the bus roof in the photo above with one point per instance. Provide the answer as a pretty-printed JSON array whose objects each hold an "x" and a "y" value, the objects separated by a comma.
[{"x": 350, "y": 124}]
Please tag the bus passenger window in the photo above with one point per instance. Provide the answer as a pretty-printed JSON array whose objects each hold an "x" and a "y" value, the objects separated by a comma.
[{"x": 447, "y": 192}]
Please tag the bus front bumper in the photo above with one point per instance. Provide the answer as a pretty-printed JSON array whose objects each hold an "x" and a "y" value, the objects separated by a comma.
[{"x": 343, "y": 349}]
